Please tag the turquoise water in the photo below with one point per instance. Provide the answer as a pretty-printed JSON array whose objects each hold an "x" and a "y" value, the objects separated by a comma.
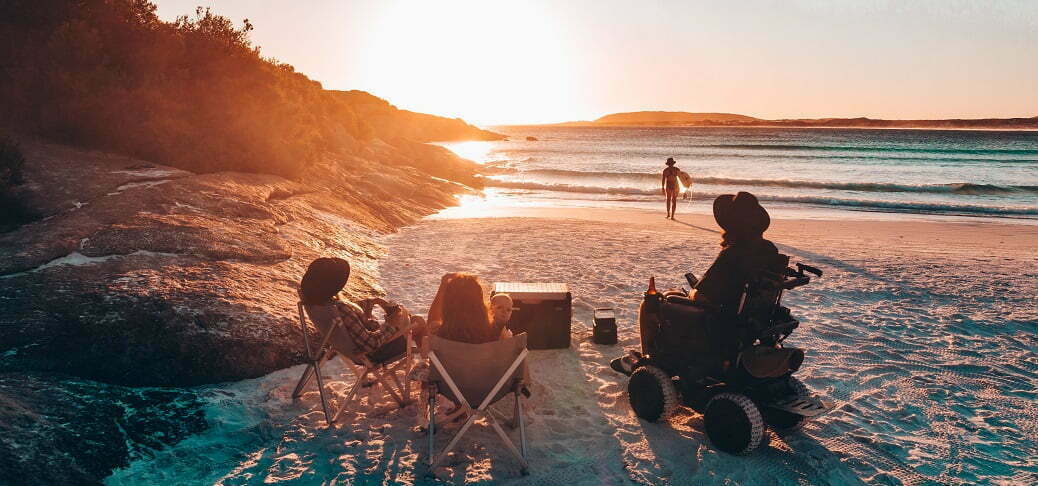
[{"x": 934, "y": 172}]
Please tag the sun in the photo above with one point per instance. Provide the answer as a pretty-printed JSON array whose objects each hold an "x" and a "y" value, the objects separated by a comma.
[{"x": 481, "y": 61}]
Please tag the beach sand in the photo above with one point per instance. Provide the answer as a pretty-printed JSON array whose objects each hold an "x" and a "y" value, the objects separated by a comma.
[{"x": 923, "y": 333}]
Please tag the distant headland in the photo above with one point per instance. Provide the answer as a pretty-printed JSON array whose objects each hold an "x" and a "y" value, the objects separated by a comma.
[{"x": 686, "y": 119}]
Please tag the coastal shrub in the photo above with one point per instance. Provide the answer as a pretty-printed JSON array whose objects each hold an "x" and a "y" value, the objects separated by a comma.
[
  {"x": 15, "y": 211},
  {"x": 192, "y": 93},
  {"x": 12, "y": 163}
]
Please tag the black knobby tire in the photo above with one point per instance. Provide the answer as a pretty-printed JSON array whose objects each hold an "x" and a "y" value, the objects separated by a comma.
[
  {"x": 734, "y": 423},
  {"x": 652, "y": 394},
  {"x": 783, "y": 422}
]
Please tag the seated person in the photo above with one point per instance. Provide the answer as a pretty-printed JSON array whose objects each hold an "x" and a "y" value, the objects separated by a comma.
[
  {"x": 357, "y": 333},
  {"x": 459, "y": 311},
  {"x": 744, "y": 254},
  {"x": 501, "y": 313}
]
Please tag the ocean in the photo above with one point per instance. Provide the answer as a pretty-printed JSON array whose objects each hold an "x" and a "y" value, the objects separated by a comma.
[{"x": 807, "y": 171}]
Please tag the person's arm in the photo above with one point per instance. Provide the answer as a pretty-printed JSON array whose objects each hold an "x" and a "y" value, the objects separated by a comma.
[
  {"x": 388, "y": 306},
  {"x": 435, "y": 317},
  {"x": 719, "y": 281},
  {"x": 663, "y": 183},
  {"x": 366, "y": 337}
]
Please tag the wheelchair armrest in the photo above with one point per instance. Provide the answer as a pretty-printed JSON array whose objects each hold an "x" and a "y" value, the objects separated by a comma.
[{"x": 680, "y": 299}]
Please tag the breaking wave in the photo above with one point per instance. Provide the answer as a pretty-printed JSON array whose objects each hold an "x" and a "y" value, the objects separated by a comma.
[
  {"x": 853, "y": 148},
  {"x": 965, "y": 188},
  {"x": 864, "y": 204}
]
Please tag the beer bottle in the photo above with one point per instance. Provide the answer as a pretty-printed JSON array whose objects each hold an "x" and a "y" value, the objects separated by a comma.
[
  {"x": 652, "y": 297},
  {"x": 648, "y": 317}
]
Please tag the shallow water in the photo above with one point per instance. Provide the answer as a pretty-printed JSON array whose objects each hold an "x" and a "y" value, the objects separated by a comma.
[{"x": 906, "y": 171}]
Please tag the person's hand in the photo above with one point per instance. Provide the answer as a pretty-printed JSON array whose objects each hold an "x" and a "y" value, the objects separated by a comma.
[
  {"x": 369, "y": 304},
  {"x": 366, "y": 305}
]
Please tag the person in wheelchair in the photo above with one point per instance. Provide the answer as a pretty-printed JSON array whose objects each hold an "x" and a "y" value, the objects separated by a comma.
[{"x": 710, "y": 330}]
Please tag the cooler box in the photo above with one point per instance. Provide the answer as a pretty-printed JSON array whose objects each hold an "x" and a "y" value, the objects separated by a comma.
[
  {"x": 604, "y": 331},
  {"x": 542, "y": 310}
]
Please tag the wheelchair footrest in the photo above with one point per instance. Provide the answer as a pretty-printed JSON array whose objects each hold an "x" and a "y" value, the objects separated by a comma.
[{"x": 807, "y": 406}]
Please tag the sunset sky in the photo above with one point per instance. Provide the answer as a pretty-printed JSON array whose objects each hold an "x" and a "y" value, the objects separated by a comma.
[{"x": 548, "y": 61}]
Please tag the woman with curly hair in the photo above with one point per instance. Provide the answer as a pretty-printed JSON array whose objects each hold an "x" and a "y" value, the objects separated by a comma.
[{"x": 459, "y": 311}]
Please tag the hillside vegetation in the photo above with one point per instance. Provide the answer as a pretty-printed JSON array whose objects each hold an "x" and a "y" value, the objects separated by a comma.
[
  {"x": 388, "y": 121},
  {"x": 667, "y": 117},
  {"x": 686, "y": 119},
  {"x": 193, "y": 93}
]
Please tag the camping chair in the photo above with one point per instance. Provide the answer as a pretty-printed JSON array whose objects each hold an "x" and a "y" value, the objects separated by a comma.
[
  {"x": 481, "y": 374},
  {"x": 382, "y": 364}
]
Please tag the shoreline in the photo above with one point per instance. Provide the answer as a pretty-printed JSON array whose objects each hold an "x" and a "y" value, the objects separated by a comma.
[
  {"x": 590, "y": 125},
  {"x": 474, "y": 207}
]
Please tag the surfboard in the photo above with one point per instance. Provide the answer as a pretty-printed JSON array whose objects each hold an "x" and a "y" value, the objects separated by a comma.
[{"x": 686, "y": 180}]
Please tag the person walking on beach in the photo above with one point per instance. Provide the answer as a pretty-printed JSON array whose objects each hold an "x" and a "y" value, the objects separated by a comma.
[{"x": 670, "y": 187}]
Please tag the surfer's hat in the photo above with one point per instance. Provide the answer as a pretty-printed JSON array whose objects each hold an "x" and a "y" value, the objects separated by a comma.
[
  {"x": 670, "y": 161},
  {"x": 741, "y": 214}
]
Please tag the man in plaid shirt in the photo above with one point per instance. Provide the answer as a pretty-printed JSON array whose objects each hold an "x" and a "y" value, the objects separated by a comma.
[
  {"x": 367, "y": 334},
  {"x": 360, "y": 333}
]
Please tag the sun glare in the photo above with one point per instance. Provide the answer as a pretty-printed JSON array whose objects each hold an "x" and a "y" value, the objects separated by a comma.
[
  {"x": 471, "y": 60},
  {"x": 477, "y": 152}
]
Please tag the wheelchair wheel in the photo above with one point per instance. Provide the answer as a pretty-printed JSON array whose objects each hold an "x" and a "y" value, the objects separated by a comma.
[
  {"x": 652, "y": 394},
  {"x": 734, "y": 424},
  {"x": 783, "y": 422}
]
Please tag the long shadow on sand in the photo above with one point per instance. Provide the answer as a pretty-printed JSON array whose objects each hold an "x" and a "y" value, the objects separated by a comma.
[
  {"x": 812, "y": 256},
  {"x": 802, "y": 460}
]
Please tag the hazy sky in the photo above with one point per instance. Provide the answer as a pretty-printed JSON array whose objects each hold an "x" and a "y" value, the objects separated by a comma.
[{"x": 545, "y": 61}]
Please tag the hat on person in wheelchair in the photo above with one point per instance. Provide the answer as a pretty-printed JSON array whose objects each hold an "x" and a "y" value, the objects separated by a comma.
[
  {"x": 741, "y": 214},
  {"x": 324, "y": 278}
]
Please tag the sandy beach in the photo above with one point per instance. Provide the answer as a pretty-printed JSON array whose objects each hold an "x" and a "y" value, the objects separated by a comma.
[{"x": 923, "y": 333}]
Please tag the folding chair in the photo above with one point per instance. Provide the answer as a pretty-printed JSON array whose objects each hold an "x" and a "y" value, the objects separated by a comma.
[
  {"x": 482, "y": 374},
  {"x": 382, "y": 364}
]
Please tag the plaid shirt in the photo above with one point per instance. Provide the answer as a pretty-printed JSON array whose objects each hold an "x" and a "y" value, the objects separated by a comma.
[{"x": 367, "y": 334}]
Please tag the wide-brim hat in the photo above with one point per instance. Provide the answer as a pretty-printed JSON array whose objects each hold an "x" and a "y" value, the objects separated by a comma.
[
  {"x": 671, "y": 161},
  {"x": 741, "y": 213},
  {"x": 324, "y": 278}
]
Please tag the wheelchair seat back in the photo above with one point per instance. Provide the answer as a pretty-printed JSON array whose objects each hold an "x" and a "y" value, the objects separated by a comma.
[{"x": 761, "y": 298}]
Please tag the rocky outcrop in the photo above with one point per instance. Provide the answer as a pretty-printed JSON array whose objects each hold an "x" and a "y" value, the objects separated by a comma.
[
  {"x": 147, "y": 275},
  {"x": 56, "y": 429},
  {"x": 142, "y": 275}
]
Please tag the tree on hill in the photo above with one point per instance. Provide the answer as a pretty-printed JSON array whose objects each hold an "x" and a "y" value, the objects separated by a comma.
[{"x": 193, "y": 93}]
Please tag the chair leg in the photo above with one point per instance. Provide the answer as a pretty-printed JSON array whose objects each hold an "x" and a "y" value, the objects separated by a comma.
[
  {"x": 409, "y": 368},
  {"x": 320, "y": 390},
  {"x": 431, "y": 410},
  {"x": 512, "y": 424},
  {"x": 522, "y": 423},
  {"x": 349, "y": 397},
  {"x": 303, "y": 380},
  {"x": 380, "y": 377},
  {"x": 457, "y": 437},
  {"x": 508, "y": 442},
  {"x": 404, "y": 395}
]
